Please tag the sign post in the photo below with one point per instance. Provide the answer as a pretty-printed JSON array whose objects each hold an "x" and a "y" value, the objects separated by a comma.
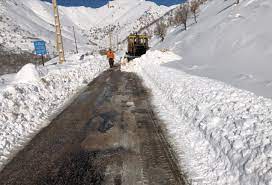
[{"x": 40, "y": 49}]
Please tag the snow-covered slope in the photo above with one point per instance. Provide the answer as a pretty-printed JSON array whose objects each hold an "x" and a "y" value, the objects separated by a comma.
[
  {"x": 125, "y": 17},
  {"x": 24, "y": 21},
  {"x": 230, "y": 43}
]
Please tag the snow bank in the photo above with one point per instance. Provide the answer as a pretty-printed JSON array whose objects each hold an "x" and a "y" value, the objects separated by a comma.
[
  {"x": 28, "y": 75},
  {"x": 222, "y": 134},
  {"x": 27, "y": 107}
]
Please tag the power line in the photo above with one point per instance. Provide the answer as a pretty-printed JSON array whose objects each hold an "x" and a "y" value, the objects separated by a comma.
[{"x": 75, "y": 39}]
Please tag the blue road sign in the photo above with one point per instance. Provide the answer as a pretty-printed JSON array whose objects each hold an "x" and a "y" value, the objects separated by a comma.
[{"x": 40, "y": 48}]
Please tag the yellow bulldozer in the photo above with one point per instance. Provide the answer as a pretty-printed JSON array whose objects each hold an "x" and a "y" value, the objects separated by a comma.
[{"x": 137, "y": 46}]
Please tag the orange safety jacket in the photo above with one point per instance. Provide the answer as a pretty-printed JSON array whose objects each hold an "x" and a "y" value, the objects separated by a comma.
[{"x": 110, "y": 55}]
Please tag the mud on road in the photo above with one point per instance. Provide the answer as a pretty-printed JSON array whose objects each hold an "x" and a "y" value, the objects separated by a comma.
[{"x": 108, "y": 136}]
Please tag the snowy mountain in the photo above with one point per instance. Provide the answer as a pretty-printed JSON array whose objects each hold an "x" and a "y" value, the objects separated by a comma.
[
  {"x": 23, "y": 21},
  {"x": 230, "y": 43},
  {"x": 99, "y": 3}
]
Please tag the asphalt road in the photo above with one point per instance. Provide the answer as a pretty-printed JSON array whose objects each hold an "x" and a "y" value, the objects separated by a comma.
[{"x": 108, "y": 136}]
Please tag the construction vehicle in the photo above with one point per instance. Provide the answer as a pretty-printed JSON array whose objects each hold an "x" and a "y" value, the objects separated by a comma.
[{"x": 137, "y": 46}]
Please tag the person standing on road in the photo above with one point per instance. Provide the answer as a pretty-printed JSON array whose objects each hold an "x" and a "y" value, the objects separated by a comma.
[{"x": 111, "y": 57}]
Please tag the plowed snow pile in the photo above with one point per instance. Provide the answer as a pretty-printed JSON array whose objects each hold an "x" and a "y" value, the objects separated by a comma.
[
  {"x": 35, "y": 95},
  {"x": 222, "y": 134}
]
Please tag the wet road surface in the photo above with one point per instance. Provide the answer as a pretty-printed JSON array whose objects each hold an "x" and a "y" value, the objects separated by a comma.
[{"x": 108, "y": 136}]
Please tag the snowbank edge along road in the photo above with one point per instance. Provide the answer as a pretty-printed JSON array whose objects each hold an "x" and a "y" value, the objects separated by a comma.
[
  {"x": 35, "y": 97},
  {"x": 222, "y": 134}
]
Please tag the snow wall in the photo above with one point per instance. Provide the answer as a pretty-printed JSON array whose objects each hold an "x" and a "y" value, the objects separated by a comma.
[
  {"x": 36, "y": 96},
  {"x": 222, "y": 134}
]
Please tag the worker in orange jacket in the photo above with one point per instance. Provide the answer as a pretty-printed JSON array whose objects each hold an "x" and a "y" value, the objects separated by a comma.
[{"x": 111, "y": 57}]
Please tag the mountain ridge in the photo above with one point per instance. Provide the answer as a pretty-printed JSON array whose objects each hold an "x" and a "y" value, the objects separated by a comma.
[
  {"x": 100, "y": 3},
  {"x": 91, "y": 25}
]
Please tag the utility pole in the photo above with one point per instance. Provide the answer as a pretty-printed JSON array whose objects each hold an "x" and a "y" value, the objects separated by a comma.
[
  {"x": 75, "y": 39},
  {"x": 110, "y": 40},
  {"x": 117, "y": 40},
  {"x": 59, "y": 41}
]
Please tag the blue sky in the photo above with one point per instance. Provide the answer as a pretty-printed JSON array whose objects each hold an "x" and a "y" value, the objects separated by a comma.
[{"x": 99, "y": 3}]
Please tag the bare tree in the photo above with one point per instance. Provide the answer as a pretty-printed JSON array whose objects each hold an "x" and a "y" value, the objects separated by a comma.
[
  {"x": 182, "y": 15},
  {"x": 202, "y": 1},
  {"x": 194, "y": 8},
  {"x": 171, "y": 20},
  {"x": 149, "y": 32},
  {"x": 238, "y": 1},
  {"x": 161, "y": 30}
]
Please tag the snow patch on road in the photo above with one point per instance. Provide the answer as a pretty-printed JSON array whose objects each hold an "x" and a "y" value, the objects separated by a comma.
[
  {"x": 31, "y": 101},
  {"x": 222, "y": 134}
]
